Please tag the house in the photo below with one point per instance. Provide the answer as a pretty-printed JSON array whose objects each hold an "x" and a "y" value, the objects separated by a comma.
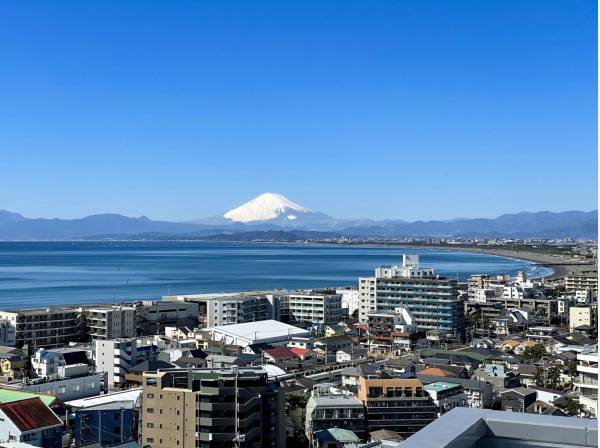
[
  {"x": 328, "y": 347},
  {"x": 13, "y": 366},
  {"x": 30, "y": 421},
  {"x": 333, "y": 330},
  {"x": 543, "y": 408},
  {"x": 306, "y": 355},
  {"x": 523, "y": 346},
  {"x": 438, "y": 371},
  {"x": 509, "y": 345},
  {"x": 517, "y": 399},
  {"x": 335, "y": 438},
  {"x": 282, "y": 357}
]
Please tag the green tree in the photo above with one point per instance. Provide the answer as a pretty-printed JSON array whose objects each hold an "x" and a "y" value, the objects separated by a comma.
[
  {"x": 355, "y": 314},
  {"x": 538, "y": 376},
  {"x": 553, "y": 376},
  {"x": 572, "y": 407},
  {"x": 534, "y": 353}
]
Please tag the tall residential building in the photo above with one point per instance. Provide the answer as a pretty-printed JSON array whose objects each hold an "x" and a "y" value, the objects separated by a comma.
[
  {"x": 154, "y": 316},
  {"x": 111, "y": 322},
  {"x": 115, "y": 357},
  {"x": 431, "y": 299},
  {"x": 206, "y": 408},
  {"x": 314, "y": 306},
  {"x": 45, "y": 327},
  {"x": 586, "y": 384},
  {"x": 396, "y": 404},
  {"x": 350, "y": 300}
]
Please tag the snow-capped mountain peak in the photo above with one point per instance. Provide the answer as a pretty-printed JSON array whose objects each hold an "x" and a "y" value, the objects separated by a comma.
[{"x": 266, "y": 207}]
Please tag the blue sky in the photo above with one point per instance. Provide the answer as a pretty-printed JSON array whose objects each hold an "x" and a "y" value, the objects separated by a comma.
[{"x": 387, "y": 109}]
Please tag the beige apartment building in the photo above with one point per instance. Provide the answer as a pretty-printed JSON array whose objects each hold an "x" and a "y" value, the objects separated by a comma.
[{"x": 205, "y": 408}]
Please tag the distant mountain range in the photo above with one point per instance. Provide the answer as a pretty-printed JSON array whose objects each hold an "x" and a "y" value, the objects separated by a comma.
[{"x": 271, "y": 216}]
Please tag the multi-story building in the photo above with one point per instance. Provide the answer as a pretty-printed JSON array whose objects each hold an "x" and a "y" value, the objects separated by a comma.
[
  {"x": 314, "y": 306},
  {"x": 446, "y": 395},
  {"x": 586, "y": 384},
  {"x": 396, "y": 404},
  {"x": 153, "y": 316},
  {"x": 206, "y": 408},
  {"x": 8, "y": 335},
  {"x": 238, "y": 309},
  {"x": 45, "y": 327},
  {"x": 111, "y": 322},
  {"x": 59, "y": 362},
  {"x": 330, "y": 407},
  {"x": 394, "y": 333},
  {"x": 432, "y": 300},
  {"x": 582, "y": 280},
  {"x": 350, "y": 300},
  {"x": 115, "y": 357},
  {"x": 581, "y": 315},
  {"x": 64, "y": 388}
]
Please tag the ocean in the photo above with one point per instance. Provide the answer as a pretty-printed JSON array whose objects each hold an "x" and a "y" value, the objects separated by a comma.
[{"x": 53, "y": 273}]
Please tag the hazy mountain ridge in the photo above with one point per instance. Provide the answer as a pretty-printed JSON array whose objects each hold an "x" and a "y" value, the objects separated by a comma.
[{"x": 271, "y": 212}]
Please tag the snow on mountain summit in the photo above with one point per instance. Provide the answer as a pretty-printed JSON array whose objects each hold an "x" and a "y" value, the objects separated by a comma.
[{"x": 265, "y": 207}]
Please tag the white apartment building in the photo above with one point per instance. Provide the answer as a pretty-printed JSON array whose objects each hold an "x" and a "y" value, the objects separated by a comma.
[
  {"x": 115, "y": 357},
  {"x": 315, "y": 306},
  {"x": 111, "y": 322},
  {"x": 350, "y": 299},
  {"x": 367, "y": 297},
  {"x": 580, "y": 315},
  {"x": 481, "y": 295},
  {"x": 586, "y": 384},
  {"x": 238, "y": 309}
]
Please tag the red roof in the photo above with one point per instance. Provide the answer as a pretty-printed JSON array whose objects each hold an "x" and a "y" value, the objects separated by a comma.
[
  {"x": 300, "y": 351},
  {"x": 363, "y": 327},
  {"x": 280, "y": 353},
  {"x": 435, "y": 371},
  {"x": 30, "y": 414}
]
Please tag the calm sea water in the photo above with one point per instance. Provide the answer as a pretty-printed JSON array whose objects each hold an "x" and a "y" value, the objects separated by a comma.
[{"x": 49, "y": 273}]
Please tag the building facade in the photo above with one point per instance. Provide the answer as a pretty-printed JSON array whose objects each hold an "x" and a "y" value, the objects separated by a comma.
[
  {"x": 111, "y": 322},
  {"x": 431, "y": 299},
  {"x": 211, "y": 407},
  {"x": 315, "y": 306}
]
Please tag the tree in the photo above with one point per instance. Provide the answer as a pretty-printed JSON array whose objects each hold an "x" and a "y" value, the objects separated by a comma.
[
  {"x": 534, "y": 353},
  {"x": 355, "y": 314},
  {"x": 573, "y": 407},
  {"x": 538, "y": 376},
  {"x": 553, "y": 376}
]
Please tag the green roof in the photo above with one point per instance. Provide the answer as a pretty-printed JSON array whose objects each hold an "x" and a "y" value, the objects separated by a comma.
[
  {"x": 10, "y": 395},
  {"x": 440, "y": 385}
]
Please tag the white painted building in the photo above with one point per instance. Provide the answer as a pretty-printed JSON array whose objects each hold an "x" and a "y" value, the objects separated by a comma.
[
  {"x": 315, "y": 306},
  {"x": 111, "y": 322},
  {"x": 350, "y": 299},
  {"x": 586, "y": 384},
  {"x": 115, "y": 357},
  {"x": 580, "y": 315}
]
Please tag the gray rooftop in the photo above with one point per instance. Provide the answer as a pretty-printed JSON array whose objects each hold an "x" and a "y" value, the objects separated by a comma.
[{"x": 483, "y": 428}]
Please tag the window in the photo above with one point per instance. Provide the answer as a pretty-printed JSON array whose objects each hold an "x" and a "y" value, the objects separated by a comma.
[
  {"x": 149, "y": 425},
  {"x": 150, "y": 395},
  {"x": 149, "y": 439},
  {"x": 150, "y": 411}
]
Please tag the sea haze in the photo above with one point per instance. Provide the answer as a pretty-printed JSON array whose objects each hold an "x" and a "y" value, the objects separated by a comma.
[{"x": 53, "y": 273}]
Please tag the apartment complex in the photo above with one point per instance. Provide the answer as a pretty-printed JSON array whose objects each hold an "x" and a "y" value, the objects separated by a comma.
[
  {"x": 314, "y": 306},
  {"x": 206, "y": 408},
  {"x": 581, "y": 315},
  {"x": 45, "y": 327},
  {"x": 576, "y": 281},
  {"x": 111, "y": 322},
  {"x": 431, "y": 299},
  {"x": 115, "y": 357},
  {"x": 238, "y": 309},
  {"x": 396, "y": 404}
]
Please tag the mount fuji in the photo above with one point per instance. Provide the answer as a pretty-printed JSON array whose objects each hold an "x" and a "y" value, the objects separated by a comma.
[{"x": 272, "y": 210}]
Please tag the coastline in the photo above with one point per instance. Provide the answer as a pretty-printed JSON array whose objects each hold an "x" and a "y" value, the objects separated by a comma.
[{"x": 560, "y": 264}]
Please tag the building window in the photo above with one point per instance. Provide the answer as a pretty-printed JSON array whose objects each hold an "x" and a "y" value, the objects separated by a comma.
[{"x": 150, "y": 411}]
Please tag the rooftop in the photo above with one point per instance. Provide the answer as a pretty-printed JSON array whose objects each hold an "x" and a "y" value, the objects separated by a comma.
[
  {"x": 30, "y": 414},
  {"x": 441, "y": 385},
  {"x": 264, "y": 329},
  {"x": 483, "y": 428}
]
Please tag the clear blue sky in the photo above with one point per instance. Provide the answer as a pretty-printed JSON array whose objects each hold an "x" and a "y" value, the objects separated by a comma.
[{"x": 385, "y": 109}]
